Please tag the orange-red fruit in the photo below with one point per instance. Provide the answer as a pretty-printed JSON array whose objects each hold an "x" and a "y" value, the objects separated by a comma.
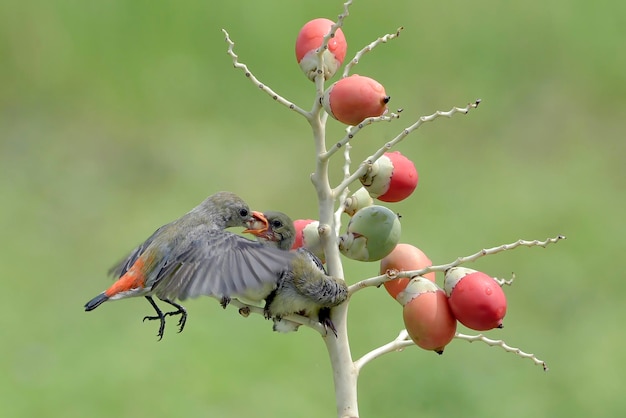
[
  {"x": 403, "y": 180},
  {"x": 391, "y": 178},
  {"x": 404, "y": 257},
  {"x": 310, "y": 38},
  {"x": 476, "y": 299},
  {"x": 427, "y": 315},
  {"x": 308, "y": 237},
  {"x": 352, "y": 99}
]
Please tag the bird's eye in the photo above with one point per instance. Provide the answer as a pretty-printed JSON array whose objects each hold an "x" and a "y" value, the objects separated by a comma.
[
  {"x": 276, "y": 223},
  {"x": 244, "y": 213}
]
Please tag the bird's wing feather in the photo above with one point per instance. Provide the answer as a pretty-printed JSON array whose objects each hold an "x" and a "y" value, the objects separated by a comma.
[
  {"x": 220, "y": 264},
  {"x": 312, "y": 257},
  {"x": 122, "y": 267}
]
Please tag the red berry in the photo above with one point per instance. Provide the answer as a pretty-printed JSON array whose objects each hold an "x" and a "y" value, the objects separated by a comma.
[
  {"x": 391, "y": 178},
  {"x": 308, "y": 237},
  {"x": 476, "y": 299},
  {"x": 427, "y": 316},
  {"x": 310, "y": 38},
  {"x": 352, "y": 99},
  {"x": 404, "y": 257}
]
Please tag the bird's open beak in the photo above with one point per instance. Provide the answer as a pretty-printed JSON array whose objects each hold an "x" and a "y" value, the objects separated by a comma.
[{"x": 258, "y": 225}]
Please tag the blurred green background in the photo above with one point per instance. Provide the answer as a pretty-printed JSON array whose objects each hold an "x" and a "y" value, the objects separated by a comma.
[{"x": 117, "y": 117}]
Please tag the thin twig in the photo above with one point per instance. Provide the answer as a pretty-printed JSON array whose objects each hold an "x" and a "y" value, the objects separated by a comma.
[
  {"x": 394, "y": 274},
  {"x": 344, "y": 194},
  {"x": 383, "y": 39},
  {"x": 363, "y": 167},
  {"x": 353, "y": 130},
  {"x": 503, "y": 282},
  {"x": 246, "y": 309},
  {"x": 257, "y": 83},
  {"x": 319, "y": 78},
  {"x": 398, "y": 344},
  {"x": 403, "y": 340},
  {"x": 503, "y": 345}
]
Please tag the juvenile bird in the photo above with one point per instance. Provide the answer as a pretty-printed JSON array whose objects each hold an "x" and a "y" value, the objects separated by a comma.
[
  {"x": 194, "y": 256},
  {"x": 305, "y": 288}
]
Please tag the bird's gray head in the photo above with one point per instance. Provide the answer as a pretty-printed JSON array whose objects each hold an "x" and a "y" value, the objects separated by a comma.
[
  {"x": 280, "y": 231},
  {"x": 225, "y": 210}
]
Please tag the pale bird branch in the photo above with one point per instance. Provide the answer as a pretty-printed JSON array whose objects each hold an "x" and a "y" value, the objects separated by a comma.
[
  {"x": 246, "y": 309},
  {"x": 256, "y": 82},
  {"x": 389, "y": 145},
  {"x": 504, "y": 346},
  {"x": 394, "y": 274},
  {"x": 383, "y": 39}
]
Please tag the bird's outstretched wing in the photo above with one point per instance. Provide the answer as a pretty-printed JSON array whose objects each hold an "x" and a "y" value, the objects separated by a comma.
[{"x": 220, "y": 264}]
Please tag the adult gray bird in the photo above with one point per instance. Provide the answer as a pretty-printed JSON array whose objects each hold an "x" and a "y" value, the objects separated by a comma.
[
  {"x": 305, "y": 288},
  {"x": 194, "y": 256}
]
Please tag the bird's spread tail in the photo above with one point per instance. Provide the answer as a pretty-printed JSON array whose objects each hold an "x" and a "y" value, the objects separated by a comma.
[{"x": 95, "y": 302}]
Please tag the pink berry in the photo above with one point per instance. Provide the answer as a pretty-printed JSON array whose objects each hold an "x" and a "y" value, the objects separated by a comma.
[
  {"x": 476, "y": 299},
  {"x": 310, "y": 39},
  {"x": 404, "y": 257},
  {"x": 308, "y": 237},
  {"x": 352, "y": 99},
  {"x": 427, "y": 315},
  {"x": 392, "y": 178}
]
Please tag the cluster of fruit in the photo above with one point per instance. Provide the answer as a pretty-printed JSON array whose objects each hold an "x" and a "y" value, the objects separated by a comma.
[
  {"x": 430, "y": 313},
  {"x": 351, "y": 99}
]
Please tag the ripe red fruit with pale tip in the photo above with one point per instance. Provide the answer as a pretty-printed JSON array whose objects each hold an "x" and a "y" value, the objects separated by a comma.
[
  {"x": 391, "y": 178},
  {"x": 352, "y": 99},
  {"x": 308, "y": 237},
  {"x": 427, "y": 316},
  {"x": 404, "y": 257},
  {"x": 476, "y": 299},
  {"x": 310, "y": 38}
]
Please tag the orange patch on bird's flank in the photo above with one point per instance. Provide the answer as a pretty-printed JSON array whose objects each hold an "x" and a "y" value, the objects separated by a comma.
[{"x": 134, "y": 278}]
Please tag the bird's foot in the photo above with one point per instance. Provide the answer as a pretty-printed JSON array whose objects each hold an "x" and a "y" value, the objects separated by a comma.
[
  {"x": 224, "y": 301},
  {"x": 161, "y": 326},
  {"x": 179, "y": 311},
  {"x": 159, "y": 315},
  {"x": 327, "y": 323},
  {"x": 324, "y": 318}
]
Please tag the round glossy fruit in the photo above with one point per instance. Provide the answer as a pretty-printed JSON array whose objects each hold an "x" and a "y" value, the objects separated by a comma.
[
  {"x": 371, "y": 234},
  {"x": 352, "y": 99},
  {"x": 476, "y": 299},
  {"x": 391, "y": 178},
  {"x": 404, "y": 257},
  {"x": 308, "y": 237},
  {"x": 310, "y": 38},
  {"x": 427, "y": 316}
]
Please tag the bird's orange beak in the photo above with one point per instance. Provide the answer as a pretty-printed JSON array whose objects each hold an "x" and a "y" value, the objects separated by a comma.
[{"x": 258, "y": 225}]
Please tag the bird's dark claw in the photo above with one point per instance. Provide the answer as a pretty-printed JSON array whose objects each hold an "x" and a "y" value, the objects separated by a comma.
[
  {"x": 324, "y": 318},
  {"x": 159, "y": 315},
  {"x": 224, "y": 301},
  {"x": 179, "y": 311},
  {"x": 327, "y": 323}
]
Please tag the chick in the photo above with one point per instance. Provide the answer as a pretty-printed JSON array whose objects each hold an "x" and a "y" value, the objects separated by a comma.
[{"x": 305, "y": 288}]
